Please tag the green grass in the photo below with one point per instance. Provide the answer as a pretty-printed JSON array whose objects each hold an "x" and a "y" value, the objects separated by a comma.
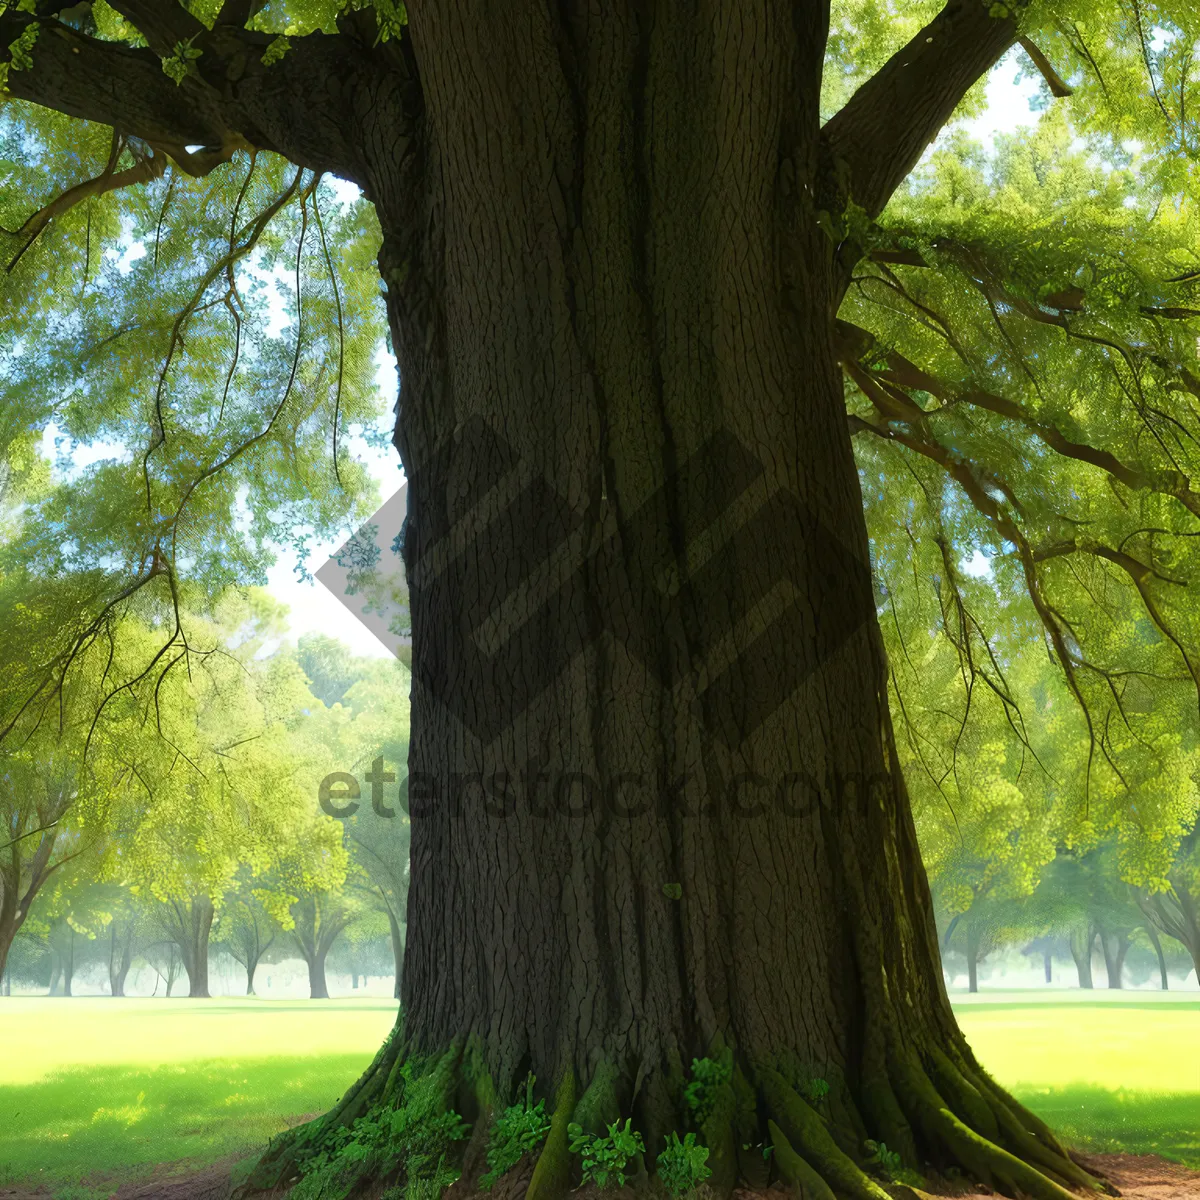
[
  {"x": 94, "y": 1087},
  {"x": 122, "y": 1120},
  {"x": 1108, "y": 1074},
  {"x": 94, "y": 1090}
]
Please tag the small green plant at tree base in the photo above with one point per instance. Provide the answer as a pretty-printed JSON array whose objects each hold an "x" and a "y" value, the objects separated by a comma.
[
  {"x": 816, "y": 1090},
  {"x": 517, "y": 1131},
  {"x": 605, "y": 1158},
  {"x": 682, "y": 1166},
  {"x": 890, "y": 1165},
  {"x": 418, "y": 1137},
  {"x": 767, "y": 1149},
  {"x": 709, "y": 1075}
]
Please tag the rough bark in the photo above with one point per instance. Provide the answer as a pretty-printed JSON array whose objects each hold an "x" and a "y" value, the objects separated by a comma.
[{"x": 656, "y": 808}]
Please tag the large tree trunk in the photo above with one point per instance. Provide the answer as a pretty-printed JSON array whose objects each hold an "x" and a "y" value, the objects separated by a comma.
[{"x": 656, "y": 808}]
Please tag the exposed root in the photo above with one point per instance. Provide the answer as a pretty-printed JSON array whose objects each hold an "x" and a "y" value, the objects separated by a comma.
[
  {"x": 807, "y": 1134},
  {"x": 552, "y": 1175},
  {"x": 987, "y": 1162},
  {"x": 935, "y": 1107},
  {"x": 795, "y": 1170}
]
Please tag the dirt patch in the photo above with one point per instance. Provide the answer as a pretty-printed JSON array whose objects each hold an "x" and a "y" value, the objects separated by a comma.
[{"x": 1135, "y": 1176}]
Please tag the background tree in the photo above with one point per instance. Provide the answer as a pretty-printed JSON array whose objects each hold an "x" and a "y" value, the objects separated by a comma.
[
  {"x": 1175, "y": 909},
  {"x": 248, "y": 930}
]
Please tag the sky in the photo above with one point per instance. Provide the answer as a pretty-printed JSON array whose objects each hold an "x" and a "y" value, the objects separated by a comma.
[{"x": 313, "y": 608}]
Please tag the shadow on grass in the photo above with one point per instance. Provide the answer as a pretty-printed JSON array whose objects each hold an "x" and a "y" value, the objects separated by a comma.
[
  {"x": 1102, "y": 1121},
  {"x": 90, "y": 1122}
]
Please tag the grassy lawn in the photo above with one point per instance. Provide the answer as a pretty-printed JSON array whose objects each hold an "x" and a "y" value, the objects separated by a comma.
[
  {"x": 92, "y": 1087},
  {"x": 1108, "y": 1074}
]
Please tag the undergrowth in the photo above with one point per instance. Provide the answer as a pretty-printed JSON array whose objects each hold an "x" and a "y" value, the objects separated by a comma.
[{"x": 412, "y": 1142}]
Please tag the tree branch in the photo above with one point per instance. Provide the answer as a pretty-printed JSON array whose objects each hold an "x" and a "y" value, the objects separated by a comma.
[
  {"x": 113, "y": 85},
  {"x": 163, "y": 23},
  {"x": 877, "y": 138},
  {"x": 1054, "y": 80},
  {"x": 317, "y": 105}
]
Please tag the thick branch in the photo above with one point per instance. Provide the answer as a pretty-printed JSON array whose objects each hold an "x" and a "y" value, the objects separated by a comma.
[
  {"x": 317, "y": 105},
  {"x": 163, "y": 23},
  {"x": 889, "y": 121},
  {"x": 113, "y": 85}
]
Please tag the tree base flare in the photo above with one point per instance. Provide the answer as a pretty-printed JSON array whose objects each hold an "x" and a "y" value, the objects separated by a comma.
[{"x": 418, "y": 1126}]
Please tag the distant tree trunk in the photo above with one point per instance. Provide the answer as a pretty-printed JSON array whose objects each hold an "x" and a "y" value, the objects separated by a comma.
[
  {"x": 1110, "y": 948},
  {"x": 317, "y": 926},
  {"x": 354, "y": 980},
  {"x": 68, "y": 970},
  {"x": 972, "y": 959},
  {"x": 1047, "y": 962},
  {"x": 251, "y": 967},
  {"x": 1123, "y": 943},
  {"x": 397, "y": 952},
  {"x": 1177, "y": 912},
  {"x": 1081, "y": 952},
  {"x": 7, "y": 930},
  {"x": 1156, "y": 942},
  {"x": 189, "y": 924},
  {"x": 120, "y": 957},
  {"x": 317, "y": 987},
  {"x": 15, "y": 903},
  {"x": 173, "y": 966},
  {"x": 55, "y": 977}
]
